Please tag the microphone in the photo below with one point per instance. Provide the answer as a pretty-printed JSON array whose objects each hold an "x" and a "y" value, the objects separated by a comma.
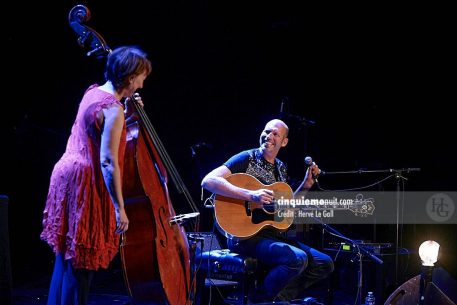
[
  {"x": 309, "y": 162},
  {"x": 179, "y": 219}
]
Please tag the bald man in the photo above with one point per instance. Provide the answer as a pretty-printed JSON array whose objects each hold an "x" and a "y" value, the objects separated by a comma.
[{"x": 292, "y": 265}]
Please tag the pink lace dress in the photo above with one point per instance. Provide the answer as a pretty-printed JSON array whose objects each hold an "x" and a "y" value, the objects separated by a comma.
[{"x": 79, "y": 219}]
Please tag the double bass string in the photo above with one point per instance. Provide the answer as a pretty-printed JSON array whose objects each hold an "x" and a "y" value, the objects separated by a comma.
[
  {"x": 166, "y": 158},
  {"x": 164, "y": 155},
  {"x": 175, "y": 176}
]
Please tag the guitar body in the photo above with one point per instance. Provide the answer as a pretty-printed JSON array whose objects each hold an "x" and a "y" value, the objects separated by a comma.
[{"x": 244, "y": 219}]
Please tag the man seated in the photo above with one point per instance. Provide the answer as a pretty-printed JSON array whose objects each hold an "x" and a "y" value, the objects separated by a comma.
[{"x": 294, "y": 266}]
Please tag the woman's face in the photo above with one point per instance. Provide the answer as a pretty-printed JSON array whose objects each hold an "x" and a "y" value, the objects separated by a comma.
[{"x": 136, "y": 82}]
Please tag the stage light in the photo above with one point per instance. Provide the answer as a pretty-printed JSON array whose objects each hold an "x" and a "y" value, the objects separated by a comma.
[{"x": 428, "y": 252}]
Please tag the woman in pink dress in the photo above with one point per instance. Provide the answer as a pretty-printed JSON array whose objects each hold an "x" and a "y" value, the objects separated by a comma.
[{"x": 84, "y": 212}]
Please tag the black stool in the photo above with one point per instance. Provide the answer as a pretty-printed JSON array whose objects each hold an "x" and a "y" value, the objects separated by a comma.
[{"x": 224, "y": 265}]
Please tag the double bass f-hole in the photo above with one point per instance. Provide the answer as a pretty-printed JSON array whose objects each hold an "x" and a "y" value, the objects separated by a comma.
[{"x": 163, "y": 240}]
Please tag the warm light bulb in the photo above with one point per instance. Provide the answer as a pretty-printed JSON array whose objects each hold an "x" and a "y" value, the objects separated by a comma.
[{"x": 428, "y": 252}]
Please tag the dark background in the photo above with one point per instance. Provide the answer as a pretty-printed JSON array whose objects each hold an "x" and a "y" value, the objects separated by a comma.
[{"x": 377, "y": 81}]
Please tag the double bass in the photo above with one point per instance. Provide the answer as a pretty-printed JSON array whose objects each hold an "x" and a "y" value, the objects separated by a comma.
[{"x": 155, "y": 253}]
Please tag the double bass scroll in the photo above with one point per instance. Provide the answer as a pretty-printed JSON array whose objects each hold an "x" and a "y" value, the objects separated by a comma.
[{"x": 87, "y": 37}]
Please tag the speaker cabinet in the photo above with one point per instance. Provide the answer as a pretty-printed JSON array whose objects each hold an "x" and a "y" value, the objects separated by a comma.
[
  {"x": 434, "y": 295},
  {"x": 205, "y": 241},
  {"x": 6, "y": 283},
  {"x": 408, "y": 294}
]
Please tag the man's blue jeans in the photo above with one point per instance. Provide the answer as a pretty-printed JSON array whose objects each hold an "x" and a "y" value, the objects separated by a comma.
[{"x": 293, "y": 266}]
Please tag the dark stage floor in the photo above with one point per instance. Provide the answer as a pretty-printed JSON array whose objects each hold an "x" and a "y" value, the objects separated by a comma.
[
  {"x": 108, "y": 288},
  {"x": 108, "y": 285}
]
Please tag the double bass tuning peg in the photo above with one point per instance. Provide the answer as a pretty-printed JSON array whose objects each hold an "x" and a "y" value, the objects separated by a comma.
[{"x": 87, "y": 36}]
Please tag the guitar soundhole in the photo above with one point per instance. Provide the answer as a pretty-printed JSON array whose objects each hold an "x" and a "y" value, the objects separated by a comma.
[
  {"x": 269, "y": 208},
  {"x": 259, "y": 216}
]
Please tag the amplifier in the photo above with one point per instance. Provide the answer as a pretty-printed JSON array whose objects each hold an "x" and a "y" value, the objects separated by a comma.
[
  {"x": 377, "y": 248},
  {"x": 205, "y": 241},
  {"x": 6, "y": 279}
]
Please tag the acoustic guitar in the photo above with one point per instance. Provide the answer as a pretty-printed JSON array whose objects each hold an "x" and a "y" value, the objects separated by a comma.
[{"x": 244, "y": 219}]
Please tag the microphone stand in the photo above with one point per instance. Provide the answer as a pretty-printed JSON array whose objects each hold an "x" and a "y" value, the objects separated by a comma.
[
  {"x": 286, "y": 115},
  {"x": 398, "y": 176},
  {"x": 295, "y": 118},
  {"x": 361, "y": 251}
]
